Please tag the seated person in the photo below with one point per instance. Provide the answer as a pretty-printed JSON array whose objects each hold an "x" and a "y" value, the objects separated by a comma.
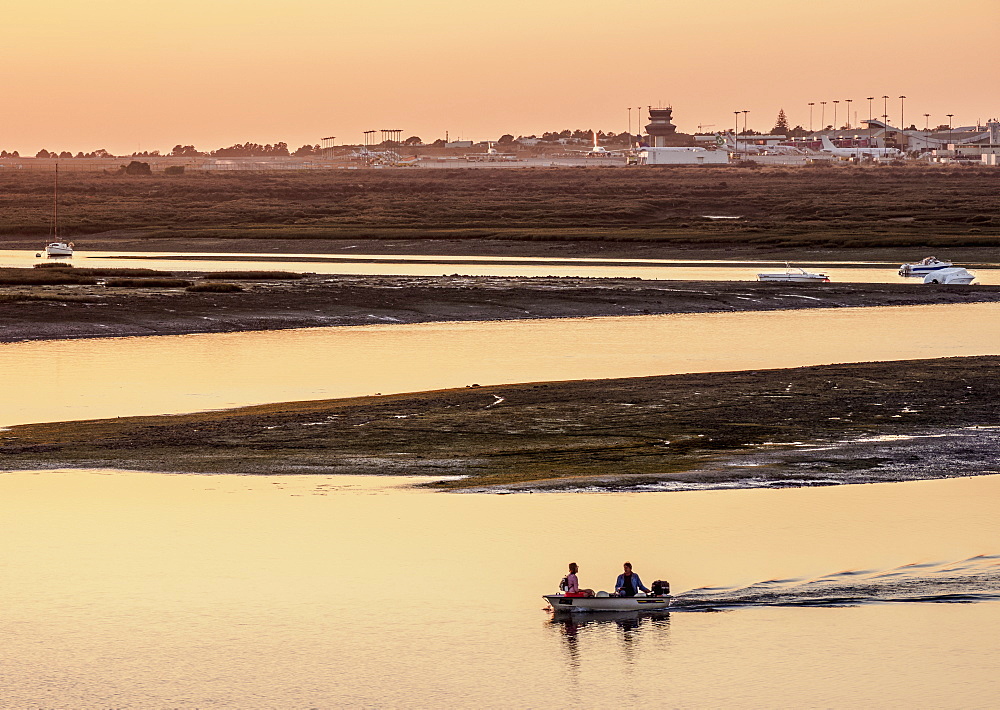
[
  {"x": 628, "y": 583},
  {"x": 573, "y": 584}
]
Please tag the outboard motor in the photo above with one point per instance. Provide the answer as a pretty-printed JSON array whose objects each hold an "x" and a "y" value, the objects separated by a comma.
[{"x": 660, "y": 588}]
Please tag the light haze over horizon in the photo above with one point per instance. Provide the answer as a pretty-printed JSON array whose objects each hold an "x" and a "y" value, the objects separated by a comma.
[{"x": 130, "y": 76}]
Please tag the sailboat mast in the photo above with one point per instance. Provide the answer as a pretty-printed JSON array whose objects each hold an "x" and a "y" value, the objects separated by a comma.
[{"x": 55, "y": 206}]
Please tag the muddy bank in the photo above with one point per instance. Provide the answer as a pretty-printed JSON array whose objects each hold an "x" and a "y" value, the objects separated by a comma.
[
  {"x": 87, "y": 311},
  {"x": 835, "y": 424}
]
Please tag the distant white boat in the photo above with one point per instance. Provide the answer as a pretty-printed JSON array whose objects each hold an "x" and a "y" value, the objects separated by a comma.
[
  {"x": 954, "y": 275},
  {"x": 794, "y": 274},
  {"x": 924, "y": 266},
  {"x": 560, "y": 602}
]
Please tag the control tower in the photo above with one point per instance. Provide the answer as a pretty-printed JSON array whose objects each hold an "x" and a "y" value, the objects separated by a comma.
[
  {"x": 660, "y": 129},
  {"x": 662, "y": 133}
]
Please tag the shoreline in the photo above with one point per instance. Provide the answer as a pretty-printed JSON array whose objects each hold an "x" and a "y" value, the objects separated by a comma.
[{"x": 862, "y": 423}]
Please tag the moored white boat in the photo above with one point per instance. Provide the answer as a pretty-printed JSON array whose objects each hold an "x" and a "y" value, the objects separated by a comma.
[
  {"x": 560, "y": 602},
  {"x": 59, "y": 249},
  {"x": 924, "y": 266},
  {"x": 955, "y": 275},
  {"x": 793, "y": 274}
]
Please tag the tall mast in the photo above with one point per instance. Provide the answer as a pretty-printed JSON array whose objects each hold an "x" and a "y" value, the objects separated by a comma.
[{"x": 55, "y": 206}]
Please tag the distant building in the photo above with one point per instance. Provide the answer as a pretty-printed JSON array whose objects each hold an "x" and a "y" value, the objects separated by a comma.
[
  {"x": 681, "y": 156},
  {"x": 458, "y": 144}
]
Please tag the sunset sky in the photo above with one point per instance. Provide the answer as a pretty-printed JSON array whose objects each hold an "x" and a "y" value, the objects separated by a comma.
[{"x": 127, "y": 76}]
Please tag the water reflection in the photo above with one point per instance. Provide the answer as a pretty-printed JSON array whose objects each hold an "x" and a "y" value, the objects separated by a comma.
[
  {"x": 424, "y": 265},
  {"x": 626, "y": 623}
]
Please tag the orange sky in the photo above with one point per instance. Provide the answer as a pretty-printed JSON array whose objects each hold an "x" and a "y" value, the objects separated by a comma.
[{"x": 126, "y": 75}]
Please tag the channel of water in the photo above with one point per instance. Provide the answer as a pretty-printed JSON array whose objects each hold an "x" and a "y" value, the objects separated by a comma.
[
  {"x": 95, "y": 378},
  {"x": 139, "y": 590},
  {"x": 424, "y": 265}
]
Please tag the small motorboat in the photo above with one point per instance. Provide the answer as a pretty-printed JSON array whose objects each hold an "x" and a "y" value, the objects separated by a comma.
[
  {"x": 954, "y": 275},
  {"x": 605, "y": 602},
  {"x": 793, "y": 274},
  {"x": 924, "y": 266},
  {"x": 59, "y": 249}
]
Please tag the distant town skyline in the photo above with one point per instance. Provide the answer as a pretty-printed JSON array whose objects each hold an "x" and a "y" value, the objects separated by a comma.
[{"x": 132, "y": 77}]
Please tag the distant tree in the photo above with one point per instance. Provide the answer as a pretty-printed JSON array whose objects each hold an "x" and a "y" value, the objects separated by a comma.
[
  {"x": 797, "y": 132},
  {"x": 43, "y": 154},
  {"x": 505, "y": 139},
  {"x": 185, "y": 151},
  {"x": 79, "y": 154},
  {"x": 138, "y": 168},
  {"x": 15, "y": 154},
  {"x": 781, "y": 124},
  {"x": 173, "y": 170},
  {"x": 439, "y": 143},
  {"x": 305, "y": 151},
  {"x": 413, "y": 140}
]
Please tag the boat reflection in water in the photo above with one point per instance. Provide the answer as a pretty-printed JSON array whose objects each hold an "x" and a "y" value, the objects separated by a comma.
[{"x": 627, "y": 625}]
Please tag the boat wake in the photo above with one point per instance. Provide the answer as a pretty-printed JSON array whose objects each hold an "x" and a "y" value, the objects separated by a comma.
[{"x": 975, "y": 579}]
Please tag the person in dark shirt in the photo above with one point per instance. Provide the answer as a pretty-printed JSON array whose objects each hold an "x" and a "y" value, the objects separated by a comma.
[{"x": 628, "y": 583}]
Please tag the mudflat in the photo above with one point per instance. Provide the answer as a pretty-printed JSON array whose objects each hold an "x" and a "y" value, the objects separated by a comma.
[
  {"x": 59, "y": 311},
  {"x": 826, "y": 425}
]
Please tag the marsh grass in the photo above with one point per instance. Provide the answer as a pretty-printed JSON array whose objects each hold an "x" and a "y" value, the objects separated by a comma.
[
  {"x": 43, "y": 277},
  {"x": 838, "y": 206}
]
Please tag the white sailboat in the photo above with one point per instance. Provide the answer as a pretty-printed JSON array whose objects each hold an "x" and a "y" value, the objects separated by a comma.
[{"x": 57, "y": 247}]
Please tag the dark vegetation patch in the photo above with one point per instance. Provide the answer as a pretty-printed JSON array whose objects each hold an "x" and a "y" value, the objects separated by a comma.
[
  {"x": 253, "y": 275},
  {"x": 636, "y": 429},
  {"x": 214, "y": 288},
  {"x": 43, "y": 277},
  {"x": 146, "y": 283},
  {"x": 55, "y": 297}
]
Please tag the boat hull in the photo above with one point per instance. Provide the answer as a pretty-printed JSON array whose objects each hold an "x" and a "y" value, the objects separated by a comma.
[
  {"x": 562, "y": 603},
  {"x": 59, "y": 249},
  {"x": 796, "y": 278}
]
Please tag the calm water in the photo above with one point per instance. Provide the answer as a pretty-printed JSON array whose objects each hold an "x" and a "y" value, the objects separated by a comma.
[
  {"x": 422, "y": 265},
  {"x": 80, "y": 379},
  {"x": 132, "y": 590}
]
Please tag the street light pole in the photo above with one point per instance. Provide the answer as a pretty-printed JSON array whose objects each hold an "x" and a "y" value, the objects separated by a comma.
[
  {"x": 902, "y": 123},
  {"x": 822, "y": 113},
  {"x": 848, "y": 102},
  {"x": 835, "y": 115},
  {"x": 870, "y": 99},
  {"x": 950, "y": 139},
  {"x": 630, "y": 124},
  {"x": 736, "y": 133},
  {"x": 811, "y": 104},
  {"x": 927, "y": 122}
]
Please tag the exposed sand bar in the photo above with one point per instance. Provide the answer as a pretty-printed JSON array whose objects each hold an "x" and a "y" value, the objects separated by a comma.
[{"x": 832, "y": 424}]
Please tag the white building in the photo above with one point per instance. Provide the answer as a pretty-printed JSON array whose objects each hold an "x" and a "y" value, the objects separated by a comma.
[{"x": 681, "y": 156}]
